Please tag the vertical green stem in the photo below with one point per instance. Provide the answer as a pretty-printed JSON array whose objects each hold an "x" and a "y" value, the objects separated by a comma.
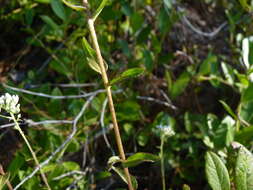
[
  {"x": 31, "y": 150},
  {"x": 162, "y": 163},
  {"x": 109, "y": 95}
]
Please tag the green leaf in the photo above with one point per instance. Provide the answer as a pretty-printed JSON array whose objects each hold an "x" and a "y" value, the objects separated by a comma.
[
  {"x": 244, "y": 135},
  {"x": 74, "y": 5},
  {"x": 130, "y": 73},
  {"x": 50, "y": 22},
  {"x": 138, "y": 158},
  {"x": 186, "y": 187},
  {"x": 94, "y": 65},
  {"x": 113, "y": 160},
  {"x": 247, "y": 95},
  {"x": 143, "y": 138},
  {"x": 217, "y": 173},
  {"x": 70, "y": 166},
  {"x": 180, "y": 85},
  {"x": 224, "y": 134},
  {"x": 42, "y": 1},
  {"x": 121, "y": 173},
  {"x": 58, "y": 9},
  {"x": 87, "y": 48},
  {"x": 206, "y": 66},
  {"x": 228, "y": 73},
  {"x": 245, "y": 4},
  {"x": 228, "y": 109},
  {"x": 244, "y": 169},
  {"x": 99, "y": 9}
]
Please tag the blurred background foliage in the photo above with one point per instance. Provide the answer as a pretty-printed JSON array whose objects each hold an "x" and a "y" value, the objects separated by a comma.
[{"x": 197, "y": 57}]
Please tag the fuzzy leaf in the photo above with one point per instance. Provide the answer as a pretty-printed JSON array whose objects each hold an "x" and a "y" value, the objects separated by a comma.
[
  {"x": 244, "y": 169},
  {"x": 217, "y": 173}
]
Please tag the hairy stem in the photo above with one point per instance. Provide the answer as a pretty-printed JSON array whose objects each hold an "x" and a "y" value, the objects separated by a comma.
[
  {"x": 110, "y": 100},
  {"x": 31, "y": 150}
]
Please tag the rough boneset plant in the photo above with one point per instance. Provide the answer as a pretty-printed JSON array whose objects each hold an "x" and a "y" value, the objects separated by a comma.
[
  {"x": 9, "y": 103},
  {"x": 91, "y": 20}
]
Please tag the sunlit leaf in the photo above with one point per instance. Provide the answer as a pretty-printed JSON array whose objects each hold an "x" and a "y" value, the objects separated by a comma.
[
  {"x": 243, "y": 168},
  {"x": 228, "y": 109},
  {"x": 138, "y": 158},
  {"x": 130, "y": 73},
  {"x": 247, "y": 94},
  {"x": 73, "y": 5},
  {"x": 87, "y": 48},
  {"x": 95, "y": 66},
  {"x": 99, "y": 9},
  {"x": 217, "y": 173}
]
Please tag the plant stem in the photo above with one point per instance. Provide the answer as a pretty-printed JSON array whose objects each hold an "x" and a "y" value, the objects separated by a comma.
[
  {"x": 162, "y": 163},
  {"x": 110, "y": 100},
  {"x": 31, "y": 150}
]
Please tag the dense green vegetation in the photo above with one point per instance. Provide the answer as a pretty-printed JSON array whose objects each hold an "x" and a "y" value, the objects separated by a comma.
[{"x": 181, "y": 77}]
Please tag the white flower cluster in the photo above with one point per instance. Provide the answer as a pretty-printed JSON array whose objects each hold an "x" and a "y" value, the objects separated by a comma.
[
  {"x": 166, "y": 130},
  {"x": 10, "y": 103}
]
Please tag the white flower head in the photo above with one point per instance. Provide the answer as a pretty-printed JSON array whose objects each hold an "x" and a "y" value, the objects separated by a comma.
[
  {"x": 10, "y": 103},
  {"x": 166, "y": 130}
]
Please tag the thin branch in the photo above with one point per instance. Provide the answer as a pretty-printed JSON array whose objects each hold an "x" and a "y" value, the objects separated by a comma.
[
  {"x": 71, "y": 85},
  {"x": 54, "y": 97},
  {"x": 31, "y": 123},
  {"x": 205, "y": 34},
  {"x": 75, "y": 172},
  {"x": 61, "y": 147},
  {"x": 151, "y": 99},
  {"x": 103, "y": 126}
]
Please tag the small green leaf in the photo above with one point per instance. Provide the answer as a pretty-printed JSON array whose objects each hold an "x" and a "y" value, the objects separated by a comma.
[
  {"x": 245, "y": 134},
  {"x": 113, "y": 160},
  {"x": 245, "y": 4},
  {"x": 247, "y": 95},
  {"x": 217, "y": 173},
  {"x": 70, "y": 166},
  {"x": 58, "y": 9},
  {"x": 168, "y": 80},
  {"x": 206, "y": 66},
  {"x": 228, "y": 109},
  {"x": 99, "y": 9},
  {"x": 224, "y": 134},
  {"x": 130, "y": 73},
  {"x": 50, "y": 22},
  {"x": 186, "y": 187},
  {"x": 121, "y": 173},
  {"x": 43, "y": 1},
  {"x": 94, "y": 65},
  {"x": 87, "y": 48},
  {"x": 138, "y": 158},
  {"x": 228, "y": 73},
  {"x": 73, "y": 6},
  {"x": 180, "y": 84}
]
